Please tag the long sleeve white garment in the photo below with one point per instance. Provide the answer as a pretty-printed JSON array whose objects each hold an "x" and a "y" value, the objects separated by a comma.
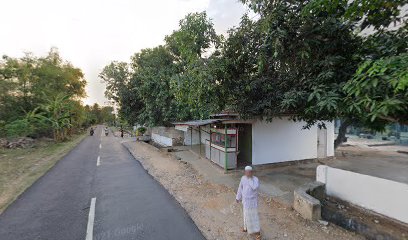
[{"x": 248, "y": 192}]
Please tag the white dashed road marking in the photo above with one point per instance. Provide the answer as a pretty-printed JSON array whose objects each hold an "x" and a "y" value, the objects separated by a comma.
[
  {"x": 91, "y": 219},
  {"x": 98, "y": 161}
]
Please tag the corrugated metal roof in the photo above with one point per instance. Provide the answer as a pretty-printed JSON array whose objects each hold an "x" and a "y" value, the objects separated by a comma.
[
  {"x": 225, "y": 115},
  {"x": 197, "y": 123}
]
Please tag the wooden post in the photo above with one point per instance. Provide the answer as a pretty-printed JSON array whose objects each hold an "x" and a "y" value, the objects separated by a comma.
[
  {"x": 226, "y": 146},
  {"x": 199, "y": 137},
  {"x": 210, "y": 142},
  {"x": 191, "y": 137}
]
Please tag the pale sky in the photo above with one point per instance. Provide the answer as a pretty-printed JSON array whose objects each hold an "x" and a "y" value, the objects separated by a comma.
[{"x": 92, "y": 33}]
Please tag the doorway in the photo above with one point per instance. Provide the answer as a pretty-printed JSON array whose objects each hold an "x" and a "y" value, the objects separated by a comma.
[
  {"x": 244, "y": 154},
  {"x": 321, "y": 142}
]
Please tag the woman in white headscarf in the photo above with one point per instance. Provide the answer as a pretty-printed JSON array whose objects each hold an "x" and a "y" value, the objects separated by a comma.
[{"x": 248, "y": 194}]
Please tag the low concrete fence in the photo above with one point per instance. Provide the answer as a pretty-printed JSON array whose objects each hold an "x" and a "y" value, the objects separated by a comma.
[
  {"x": 305, "y": 202},
  {"x": 162, "y": 140},
  {"x": 383, "y": 196},
  {"x": 167, "y": 136}
]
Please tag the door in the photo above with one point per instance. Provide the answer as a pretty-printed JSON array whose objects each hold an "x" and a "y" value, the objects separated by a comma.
[
  {"x": 244, "y": 145},
  {"x": 321, "y": 142}
]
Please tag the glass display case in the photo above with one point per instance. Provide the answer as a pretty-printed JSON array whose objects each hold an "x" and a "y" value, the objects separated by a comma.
[
  {"x": 222, "y": 147},
  {"x": 219, "y": 139}
]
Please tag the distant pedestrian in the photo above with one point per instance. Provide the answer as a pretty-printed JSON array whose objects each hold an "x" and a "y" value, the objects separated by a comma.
[
  {"x": 121, "y": 132},
  {"x": 248, "y": 194}
]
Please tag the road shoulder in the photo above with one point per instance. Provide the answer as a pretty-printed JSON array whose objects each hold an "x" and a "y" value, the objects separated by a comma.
[{"x": 21, "y": 168}]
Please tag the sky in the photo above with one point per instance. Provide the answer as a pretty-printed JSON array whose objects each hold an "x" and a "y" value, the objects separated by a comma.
[{"x": 92, "y": 33}]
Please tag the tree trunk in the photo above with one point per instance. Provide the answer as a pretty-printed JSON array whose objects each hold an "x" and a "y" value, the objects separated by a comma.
[{"x": 342, "y": 133}]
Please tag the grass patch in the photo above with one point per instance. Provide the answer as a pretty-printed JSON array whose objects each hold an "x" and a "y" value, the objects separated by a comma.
[{"x": 20, "y": 168}]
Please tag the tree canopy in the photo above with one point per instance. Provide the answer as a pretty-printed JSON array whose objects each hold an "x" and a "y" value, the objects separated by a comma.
[
  {"x": 313, "y": 60},
  {"x": 41, "y": 96},
  {"x": 155, "y": 87}
]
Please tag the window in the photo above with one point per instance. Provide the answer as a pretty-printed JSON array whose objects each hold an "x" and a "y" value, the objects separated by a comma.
[{"x": 219, "y": 139}]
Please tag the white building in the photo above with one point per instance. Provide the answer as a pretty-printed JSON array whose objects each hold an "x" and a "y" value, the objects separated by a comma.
[{"x": 257, "y": 142}]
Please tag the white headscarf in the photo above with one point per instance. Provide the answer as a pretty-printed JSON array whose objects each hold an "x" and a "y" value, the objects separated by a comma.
[{"x": 248, "y": 168}]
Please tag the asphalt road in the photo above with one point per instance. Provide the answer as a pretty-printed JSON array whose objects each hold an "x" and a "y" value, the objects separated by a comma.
[{"x": 128, "y": 202}]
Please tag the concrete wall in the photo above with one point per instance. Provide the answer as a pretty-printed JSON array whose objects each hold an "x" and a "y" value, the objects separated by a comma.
[
  {"x": 383, "y": 196},
  {"x": 305, "y": 203},
  {"x": 204, "y": 135},
  {"x": 162, "y": 140},
  {"x": 167, "y": 136},
  {"x": 284, "y": 140}
]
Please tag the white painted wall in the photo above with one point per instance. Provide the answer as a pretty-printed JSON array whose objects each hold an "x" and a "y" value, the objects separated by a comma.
[
  {"x": 284, "y": 140},
  {"x": 380, "y": 195},
  {"x": 162, "y": 140}
]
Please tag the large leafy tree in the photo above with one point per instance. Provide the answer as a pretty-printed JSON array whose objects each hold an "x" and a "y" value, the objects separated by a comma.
[
  {"x": 376, "y": 95},
  {"x": 378, "y": 89},
  {"x": 239, "y": 63},
  {"x": 153, "y": 69},
  {"x": 195, "y": 36},
  {"x": 29, "y": 81},
  {"x": 308, "y": 51},
  {"x": 53, "y": 75},
  {"x": 41, "y": 96},
  {"x": 116, "y": 76},
  {"x": 313, "y": 60},
  {"x": 195, "y": 46},
  {"x": 16, "y": 86},
  {"x": 121, "y": 89},
  {"x": 288, "y": 63},
  {"x": 172, "y": 82},
  {"x": 361, "y": 14}
]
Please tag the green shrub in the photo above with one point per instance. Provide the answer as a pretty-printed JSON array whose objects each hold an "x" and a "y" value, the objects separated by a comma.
[
  {"x": 2, "y": 128},
  {"x": 19, "y": 128},
  {"x": 26, "y": 128},
  {"x": 140, "y": 131}
]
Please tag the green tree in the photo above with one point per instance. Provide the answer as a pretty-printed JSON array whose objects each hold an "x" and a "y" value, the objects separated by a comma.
[
  {"x": 54, "y": 76},
  {"x": 307, "y": 51},
  {"x": 116, "y": 76},
  {"x": 15, "y": 86},
  {"x": 195, "y": 46},
  {"x": 120, "y": 88},
  {"x": 172, "y": 82},
  {"x": 153, "y": 69},
  {"x": 288, "y": 63},
  {"x": 379, "y": 89},
  {"x": 195, "y": 36},
  {"x": 362, "y": 14},
  {"x": 373, "y": 95},
  {"x": 31, "y": 93}
]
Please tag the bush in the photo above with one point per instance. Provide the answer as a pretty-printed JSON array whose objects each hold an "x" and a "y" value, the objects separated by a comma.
[
  {"x": 140, "y": 131},
  {"x": 2, "y": 128},
  {"x": 19, "y": 128},
  {"x": 26, "y": 128}
]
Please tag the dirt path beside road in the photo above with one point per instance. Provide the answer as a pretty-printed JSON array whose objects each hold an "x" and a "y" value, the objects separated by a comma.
[{"x": 213, "y": 208}]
